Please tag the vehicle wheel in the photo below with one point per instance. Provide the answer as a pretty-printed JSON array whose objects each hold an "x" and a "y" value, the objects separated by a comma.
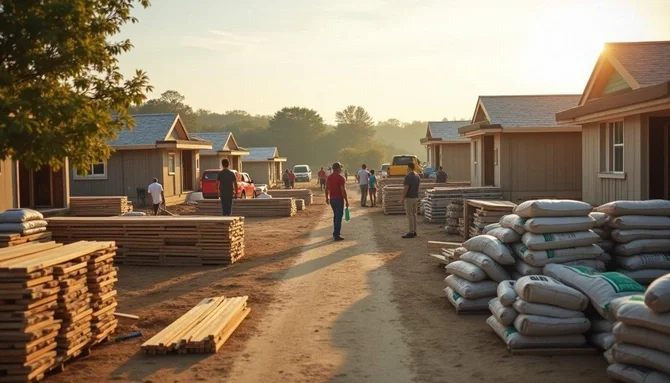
[{"x": 244, "y": 195}]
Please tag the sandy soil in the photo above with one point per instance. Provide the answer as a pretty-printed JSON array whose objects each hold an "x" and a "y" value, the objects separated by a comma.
[{"x": 369, "y": 309}]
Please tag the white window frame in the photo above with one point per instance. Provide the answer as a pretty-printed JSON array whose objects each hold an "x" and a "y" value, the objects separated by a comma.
[
  {"x": 474, "y": 150},
  {"x": 91, "y": 175},
  {"x": 611, "y": 145},
  {"x": 172, "y": 157}
]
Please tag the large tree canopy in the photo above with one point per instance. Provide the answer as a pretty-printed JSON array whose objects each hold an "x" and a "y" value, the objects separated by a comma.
[
  {"x": 354, "y": 125},
  {"x": 296, "y": 130},
  {"x": 170, "y": 101},
  {"x": 61, "y": 91}
]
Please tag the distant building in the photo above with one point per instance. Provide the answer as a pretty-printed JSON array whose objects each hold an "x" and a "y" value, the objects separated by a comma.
[
  {"x": 224, "y": 145},
  {"x": 625, "y": 117},
  {"x": 446, "y": 148},
  {"x": 264, "y": 165}
]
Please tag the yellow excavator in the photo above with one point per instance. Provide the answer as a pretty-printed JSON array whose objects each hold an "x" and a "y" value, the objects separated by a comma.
[{"x": 398, "y": 167}]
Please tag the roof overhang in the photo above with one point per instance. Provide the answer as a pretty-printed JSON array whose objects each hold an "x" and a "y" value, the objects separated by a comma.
[
  {"x": 437, "y": 141},
  {"x": 183, "y": 144},
  {"x": 643, "y": 100},
  {"x": 276, "y": 159},
  {"x": 479, "y": 128},
  {"x": 224, "y": 152}
]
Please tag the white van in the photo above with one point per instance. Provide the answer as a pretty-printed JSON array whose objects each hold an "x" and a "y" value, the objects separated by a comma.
[{"x": 303, "y": 173}]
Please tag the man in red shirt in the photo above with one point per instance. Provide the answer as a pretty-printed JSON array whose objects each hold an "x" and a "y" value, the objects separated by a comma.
[
  {"x": 336, "y": 196},
  {"x": 322, "y": 178}
]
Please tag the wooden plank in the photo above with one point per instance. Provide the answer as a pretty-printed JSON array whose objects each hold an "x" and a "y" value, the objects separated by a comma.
[{"x": 567, "y": 351}]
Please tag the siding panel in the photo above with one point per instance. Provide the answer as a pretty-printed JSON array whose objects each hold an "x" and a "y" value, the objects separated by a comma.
[{"x": 456, "y": 161}]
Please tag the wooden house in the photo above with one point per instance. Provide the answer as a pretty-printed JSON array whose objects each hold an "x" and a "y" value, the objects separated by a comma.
[
  {"x": 625, "y": 117},
  {"x": 46, "y": 190},
  {"x": 159, "y": 146},
  {"x": 224, "y": 145},
  {"x": 264, "y": 165},
  {"x": 516, "y": 144},
  {"x": 445, "y": 147}
]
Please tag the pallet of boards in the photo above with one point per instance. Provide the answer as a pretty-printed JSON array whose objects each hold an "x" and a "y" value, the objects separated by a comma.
[
  {"x": 480, "y": 213},
  {"x": 99, "y": 206},
  {"x": 258, "y": 207},
  {"x": 203, "y": 329},
  {"x": 159, "y": 240},
  {"x": 304, "y": 194},
  {"x": 438, "y": 200},
  {"x": 392, "y": 196},
  {"x": 45, "y": 310},
  {"x": 14, "y": 239},
  {"x": 300, "y": 204}
]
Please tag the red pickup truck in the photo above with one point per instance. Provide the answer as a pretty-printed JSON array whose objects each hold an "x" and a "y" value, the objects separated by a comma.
[{"x": 245, "y": 188}]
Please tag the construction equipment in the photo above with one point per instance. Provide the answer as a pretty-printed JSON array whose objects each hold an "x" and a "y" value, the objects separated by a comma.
[{"x": 398, "y": 167}]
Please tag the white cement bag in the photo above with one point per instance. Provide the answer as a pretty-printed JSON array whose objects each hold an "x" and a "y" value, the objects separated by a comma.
[
  {"x": 559, "y": 240},
  {"x": 550, "y": 225},
  {"x": 592, "y": 263},
  {"x": 459, "y": 251},
  {"x": 471, "y": 290},
  {"x": 540, "y": 258},
  {"x": 607, "y": 246},
  {"x": 525, "y": 269},
  {"x": 603, "y": 234},
  {"x": 552, "y": 208},
  {"x": 640, "y": 222},
  {"x": 635, "y": 374},
  {"x": 632, "y": 311},
  {"x": 657, "y": 297},
  {"x": 505, "y": 235},
  {"x": 21, "y": 227},
  {"x": 641, "y": 336},
  {"x": 490, "y": 246},
  {"x": 535, "y": 325},
  {"x": 466, "y": 270},
  {"x": 514, "y": 222},
  {"x": 464, "y": 305},
  {"x": 493, "y": 269},
  {"x": 506, "y": 293},
  {"x": 503, "y": 314},
  {"x": 641, "y": 356},
  {"x": 641, "y": 246},
  {"x": 20, "y": 215},
  {"x": 600, "y": 218},
  {"x": 603, "y": 340},
  {"x": 516, "y": 275},
  {"x": 650, "y": 207},
  {"x": 540, "y": 309},
  {"x": 490, "y": 227},
  {"x": 547, "y": 290},
  {"x": 514, "y": 340},
  {"x": 605, "y": 258},
  {"x": 625, "y": 236},
  {"x": 644, "y": 261},
  {"x": 601, "y": 288},
  {"x": 455, "y": 214},
  {"x": 34, "y": 231},
  {"x": 601, "y": 325}
]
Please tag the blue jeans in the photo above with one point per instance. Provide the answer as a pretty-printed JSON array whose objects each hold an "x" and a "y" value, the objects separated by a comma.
[
  {"x": 227, "y": 206},
  {"x": 338, "y": 213}
]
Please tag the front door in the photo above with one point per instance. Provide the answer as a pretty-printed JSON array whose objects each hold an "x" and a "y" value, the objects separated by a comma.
[
  {"x": 659, "y": 157},
  {"x": 488, "y": 149},
  {"x": 42, "y": 187},
  {"x": 187, "y": 169}
]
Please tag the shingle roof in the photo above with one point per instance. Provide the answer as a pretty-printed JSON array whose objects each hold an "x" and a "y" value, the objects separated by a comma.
[
  {"x": 218, "y": 139},
  {"x": 527, "y": 111},
  {"x": 260, "y": 154},
  {"x": 148, "y": 129},
  {"x": 446, "y": 130},
  {"x": 647, "y": 62}
]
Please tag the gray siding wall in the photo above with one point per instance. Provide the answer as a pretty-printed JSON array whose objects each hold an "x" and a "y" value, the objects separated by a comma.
[
  {"x": 455, "y": 159},
  {"x": 259, "y": 171}
]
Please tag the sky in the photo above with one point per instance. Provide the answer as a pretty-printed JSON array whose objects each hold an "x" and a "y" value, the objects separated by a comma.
[{"x": 405, "y": 59}]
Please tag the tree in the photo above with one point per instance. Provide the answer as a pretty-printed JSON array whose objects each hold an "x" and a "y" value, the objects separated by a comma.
[
  {"x": 170, "y": 101},
  {"x": 296, "y": 130},
  {"x": 60, "y": 79},
  {"x": 354, "y": 125},
  {"x": 353, "y": 158}
]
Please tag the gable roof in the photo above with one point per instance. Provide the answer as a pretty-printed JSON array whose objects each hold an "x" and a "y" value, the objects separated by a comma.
[
  {"x": 445, "y": 130},
  {"x": 531, "y": 111},
  {"x": 221, "y": 142},
  {"x": 149, "y": 128},
  {"x": 261, "y": 154}
]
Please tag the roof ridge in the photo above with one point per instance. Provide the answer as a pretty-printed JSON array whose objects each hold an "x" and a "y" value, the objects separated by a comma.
[
  {"x": 154, "y": 114},
  {"x": 531, "y": 95},
  {"x": 653, "y": 42}
]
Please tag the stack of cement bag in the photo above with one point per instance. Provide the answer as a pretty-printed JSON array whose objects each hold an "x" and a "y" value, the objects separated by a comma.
[
  {"x": 474, "y": 278},
  {"x": 539, "y": 312},
  {"x": 642, "y": 333},
  {"x": 641, "y": 231},
  {"x": 455, "y": 217},
  {"x": 552, "y": 231},
  {"x": 604, "y": 232}
]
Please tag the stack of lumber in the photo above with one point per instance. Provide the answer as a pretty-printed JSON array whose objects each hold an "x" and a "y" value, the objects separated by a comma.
[
  {"x": 438, "y": 199},
  {"x": 203, "y": 329},
  {"x": 392, "y": 196},
  {"x": 102, "y": 277},
  {"x": 99, "y": 206},
  {"x": 304, "y": 194},
  {"x": 481, "y": 213},
  {"x": 444, "y": 252},
  {"x": 258, "y": 207},
  {"x": 300, "y": 204},
  {"x": 45, "y": 310},
  {"x": 381, "y": 183},
  {"x": 160, "y": 240},
  {"x": 19, "y": 226}
]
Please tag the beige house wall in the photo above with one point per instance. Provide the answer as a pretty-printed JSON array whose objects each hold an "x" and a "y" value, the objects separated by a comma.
[
  {"x": 260, "y": 172},
  {"x": 455, "y": 160},
  {"x": 8, "y": 183}
]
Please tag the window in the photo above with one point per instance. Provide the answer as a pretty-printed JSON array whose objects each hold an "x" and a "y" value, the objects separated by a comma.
[
  {"x": 615, "y": 133},
  {"x": 474, "y": 152},
  {"x": 97, "y": 170},
  {"x": 171, "y": 163},
  {"x": 197, "y": 163}
]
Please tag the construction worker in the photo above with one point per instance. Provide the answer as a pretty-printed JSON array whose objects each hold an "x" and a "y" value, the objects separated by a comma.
[
  {"x": 156, "y": 194},
  {"x": 226, "y": 183},
  {"x": 441, "y": 176}
]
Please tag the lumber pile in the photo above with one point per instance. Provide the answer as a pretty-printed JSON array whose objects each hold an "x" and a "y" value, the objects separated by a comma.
[
  {"x": 392, "y": 196},
  {"x": 481, "y": 213},
  {"x": 101, "y": 275},
  {"x": 19, "y": 226},
  {"x": 203, "y": 329},
  {"x": 258, "y": 207},
  {"x": 99, "y": 206},
  {"x": 160, "y": 240},
  {"x": 437, "y": 200},
  {"x": 304, "y": 194},
  {"x": 300, "y": 204},
  {"x": 45, "y": 309}
]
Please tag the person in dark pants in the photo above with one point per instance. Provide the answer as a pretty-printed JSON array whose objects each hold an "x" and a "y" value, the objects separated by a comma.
[
  {"x": 410, "y": 197},
  {"x": 336, "y": 196},
  {"x": 441, "y": 176},
  {"x": 226, "y": 183},
  {"x": 156, "y": 194}
]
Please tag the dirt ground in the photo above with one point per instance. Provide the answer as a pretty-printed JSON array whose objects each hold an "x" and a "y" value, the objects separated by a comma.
[{"x": 369, "y": 309}]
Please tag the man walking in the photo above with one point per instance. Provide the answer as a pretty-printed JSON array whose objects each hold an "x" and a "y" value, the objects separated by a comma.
[
  {"x": 226, "y": 183},
  {"x": 363, "y": 177},
  {"x": 410, "y": 197},
  {"x": 336, "y": 196},
  {"x": 156, "y": 194},
  {"x": 441, "y": 176},
  {"x": 322, "y": 178}
]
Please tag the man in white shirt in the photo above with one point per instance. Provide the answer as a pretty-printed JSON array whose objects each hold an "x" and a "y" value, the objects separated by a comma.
[
  {"x": 156, "y": 194},
  {"x": 363, "y": 177}
]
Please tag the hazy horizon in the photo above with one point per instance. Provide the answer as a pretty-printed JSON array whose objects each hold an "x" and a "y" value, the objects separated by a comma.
[{"x": 410, "y": 60}]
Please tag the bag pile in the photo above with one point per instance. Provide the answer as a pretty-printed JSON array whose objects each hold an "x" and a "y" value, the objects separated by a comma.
[
  {"x": 22, "y": 221},
  {"x": 539, "y": 312},
  {"x": 455, "y": 217},
  {"x": 641, "y": 233},
  {"x": 474, "y": 278}
]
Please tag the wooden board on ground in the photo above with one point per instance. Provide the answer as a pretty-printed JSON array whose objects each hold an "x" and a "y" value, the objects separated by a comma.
[{"x": 565, "y": 351}]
